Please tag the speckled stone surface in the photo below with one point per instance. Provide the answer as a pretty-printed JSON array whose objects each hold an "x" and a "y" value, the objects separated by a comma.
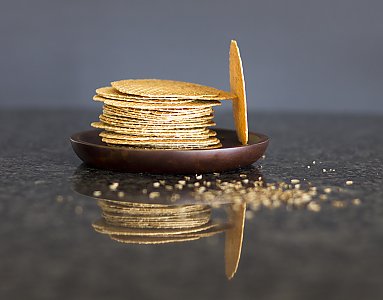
[{"x": 49, "y": 250}]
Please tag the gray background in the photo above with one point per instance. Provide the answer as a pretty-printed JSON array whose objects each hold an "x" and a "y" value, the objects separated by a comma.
[{"x": 298, "y": 55}]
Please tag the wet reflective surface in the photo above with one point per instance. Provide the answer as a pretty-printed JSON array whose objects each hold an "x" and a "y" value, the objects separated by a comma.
[{"x": 51, "y": 246}]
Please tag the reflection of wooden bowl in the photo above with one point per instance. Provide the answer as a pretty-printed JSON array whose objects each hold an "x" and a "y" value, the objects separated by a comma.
[{"x": 89, "y": 147}]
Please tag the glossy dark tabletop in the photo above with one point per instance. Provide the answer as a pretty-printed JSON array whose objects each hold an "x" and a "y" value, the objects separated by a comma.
[{"x": 49, "y": 249}]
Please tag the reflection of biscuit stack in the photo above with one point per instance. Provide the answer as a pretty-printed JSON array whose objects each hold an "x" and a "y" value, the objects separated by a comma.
[
  {"x": 154, "y": 223},
  {"x": 159, "y": 114}
]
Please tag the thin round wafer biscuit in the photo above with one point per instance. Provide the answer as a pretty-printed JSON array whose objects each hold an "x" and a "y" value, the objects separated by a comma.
[
  {"x": 129, "y": 215},
  {"x": 156, "y": 118},
  {"x": 109, "y": 127},
  {"x": 149, "y": 100},
  {"x": 163, "y": 134},
  {"x": 138, "y": 222},
  {"x": 136, "y": 126},
  {"x": 111, "y": 93},
  {"x": 151, "y": 240},
  {"x": 159, "y": 112},
  {"x": 144, "y": 121},
  {"x": 103, "y": 227},
  {"x": 153, "y": 207},
  {"x": 165, "y": 142},
  {"x": 141, "y": 125},
  {"x": 199, "y": 234},
  {"x": 144, "y": 146},
  {"x": 156, "y": 114},
  {"x": 237, "y": 85},
  {"x": 139, "y": 212},
  {"x": 146, "y": 117},
  {"x": 141, "y": 137},
  {"x": 176, "y": 147},
  {"x": 192, "y": 104},
  {"x": 164, "y": 88},
  {"x": 155, "y": 225},
  {"x": 118, "y": 136},
  {"x": 123, "y": 215},
  {"x": 139, "y": 130},
  {"x": 163, "y": 117}
]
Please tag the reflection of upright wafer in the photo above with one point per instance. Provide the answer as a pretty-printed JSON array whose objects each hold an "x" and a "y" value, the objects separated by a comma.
[{"x": 234, "y": 238}]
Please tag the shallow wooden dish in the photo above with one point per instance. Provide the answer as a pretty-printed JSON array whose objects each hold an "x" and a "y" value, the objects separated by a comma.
[{"x": 90, "y": 149}]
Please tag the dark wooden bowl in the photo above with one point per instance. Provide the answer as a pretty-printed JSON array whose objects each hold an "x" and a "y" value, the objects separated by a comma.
[{"x": 90, "y": 149}]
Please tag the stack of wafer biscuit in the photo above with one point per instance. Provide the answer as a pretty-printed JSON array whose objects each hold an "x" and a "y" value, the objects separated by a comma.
[
  {"x": 159, "y": 114},
  {"x": 145, "y": 223},
  {"x": 167, "y": 114}
]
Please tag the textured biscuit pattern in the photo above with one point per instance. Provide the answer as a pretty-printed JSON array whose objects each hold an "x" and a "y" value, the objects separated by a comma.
[{"x": 237, "y": 85}]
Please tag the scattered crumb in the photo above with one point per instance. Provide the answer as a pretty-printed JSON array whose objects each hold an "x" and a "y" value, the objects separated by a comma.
[
  {"x": 113, "y": 186},
  {"x": 338, "y": 203},
  {"x": 97, "y": 193},
  {"x": 153, "y": 195},
  {"x": 356, "y": 201},
  {"x": 39, "y": 181},
  {"x": 168, "y": 187},
  {"x": 313, "y": 206}
]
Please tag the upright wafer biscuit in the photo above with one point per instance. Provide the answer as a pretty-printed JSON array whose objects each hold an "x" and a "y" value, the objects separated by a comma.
[{"x": 237, "y": 85}]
